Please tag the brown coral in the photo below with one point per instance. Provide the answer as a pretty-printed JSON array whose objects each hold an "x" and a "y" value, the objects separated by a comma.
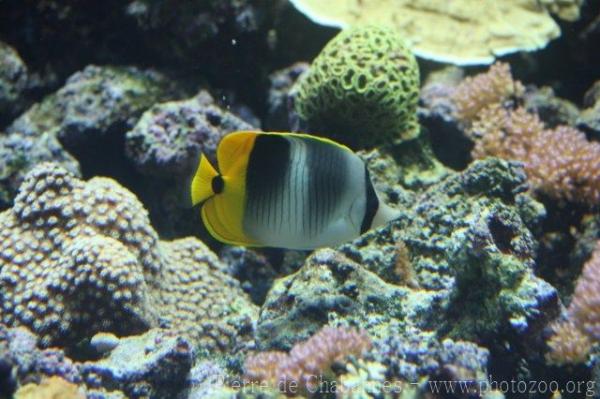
[
  {"x": 77, "y": 258},
  {"x": 308, "y": 362},
  {"x": 568, "y": 345}
]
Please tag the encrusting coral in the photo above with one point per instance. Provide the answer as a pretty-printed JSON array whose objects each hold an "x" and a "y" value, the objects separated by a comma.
[
  {"x": 77, "y": 258},
  {"x": 460, "y": 31},
  {"x": 362, "y": 88},
  {"x": 560, "y": 163},
  {"x": 50, "y": 388},
  {"x": 309, "y": 362}
]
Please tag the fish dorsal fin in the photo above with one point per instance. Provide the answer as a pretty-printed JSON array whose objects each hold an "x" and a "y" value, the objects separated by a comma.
[
  {"x": 325, "y": 140},
  {"x": 233, "y": 149}
]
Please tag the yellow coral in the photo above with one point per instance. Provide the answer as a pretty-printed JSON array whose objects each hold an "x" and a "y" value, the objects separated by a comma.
[
  {"x": 50, "y": 388},
  {"x": 459, "y": 31}
]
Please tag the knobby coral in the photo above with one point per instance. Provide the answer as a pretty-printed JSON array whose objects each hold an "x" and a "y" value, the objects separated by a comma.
[
  {"x": 309, "y": 362},
  {"x": 363, "y": 88},
  {"x": 77, "y": 258},
  {"x": 560, "y": 163}
]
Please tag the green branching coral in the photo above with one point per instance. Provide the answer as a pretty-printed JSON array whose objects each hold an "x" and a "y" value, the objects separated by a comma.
[{"x": 363, "y": 88}]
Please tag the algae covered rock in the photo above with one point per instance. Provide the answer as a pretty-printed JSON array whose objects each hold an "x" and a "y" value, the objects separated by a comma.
[
  {"x": 362, "y": 89},
  {"x": 590, "y": 117},
  {"x": 154, "y": 365},
  {"x": 13, "y": 82},
  {"x": 466, "y": 244},
  {"x": 95, "y": 101},
  {"x": 22, "y": 361},
  {"x": 78, "y": 258},
  {"x": 169, "y": 137},
  {"x": 327, "y": 284},
  {"x": 95, "y": 106}
]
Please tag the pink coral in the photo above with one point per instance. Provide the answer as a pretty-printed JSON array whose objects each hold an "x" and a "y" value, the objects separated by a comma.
[
  {"x": 572, "y": 339},
  {"x": 584, "y": 309},
  {"x": 568, "y": 344},
  {"x": 560, "y": 163},
  {"x": 480, "y": 91},
  {"x": 301, "y": 369}
]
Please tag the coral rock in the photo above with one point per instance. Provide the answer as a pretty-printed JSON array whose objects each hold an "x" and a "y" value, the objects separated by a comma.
[
  {"x": 168, "y": 138},
  {"x": 94, "y": 105},
  {"x": 154, "y": 365},
  {"x": 362, "y": 89},
  {"x": 22, "y": 362},
  {"x": 78, "y": 258},
  {"x": 13, "y": 81}
]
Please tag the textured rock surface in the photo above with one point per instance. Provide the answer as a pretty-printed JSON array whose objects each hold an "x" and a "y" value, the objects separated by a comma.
[
  {"x": 94, "y": 106},
  {"x": 21, "y": 362},
  {"x": 151, "y": 365},
  {"x": 77, "y": 258},
  {"x": 590, "y": 116},
  {"x": 168, "y": 138},
  {"x": 13, "y": 81},
  {"x": 95, "y": 101},
  {"x": 472, "y": 257},
  {"x": 362, "y": 89},
  {"x": 279, "y": 114}
]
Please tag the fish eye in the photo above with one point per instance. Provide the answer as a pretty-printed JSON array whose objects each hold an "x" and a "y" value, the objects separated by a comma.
[{"x": 218, "y": 184}]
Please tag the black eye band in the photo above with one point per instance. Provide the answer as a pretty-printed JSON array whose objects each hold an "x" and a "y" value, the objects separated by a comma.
[{"x": 218, "y": 184}]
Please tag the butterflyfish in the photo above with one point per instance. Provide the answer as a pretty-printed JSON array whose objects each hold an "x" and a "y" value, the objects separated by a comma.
[{"x": 286, "y": 190}]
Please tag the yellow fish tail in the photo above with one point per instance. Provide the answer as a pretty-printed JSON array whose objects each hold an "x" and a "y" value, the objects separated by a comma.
[{"x": 201, "y": 188}]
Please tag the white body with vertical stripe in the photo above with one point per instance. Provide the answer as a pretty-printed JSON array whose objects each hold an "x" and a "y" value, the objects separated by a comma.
[{"x": 319, "y": 201}]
